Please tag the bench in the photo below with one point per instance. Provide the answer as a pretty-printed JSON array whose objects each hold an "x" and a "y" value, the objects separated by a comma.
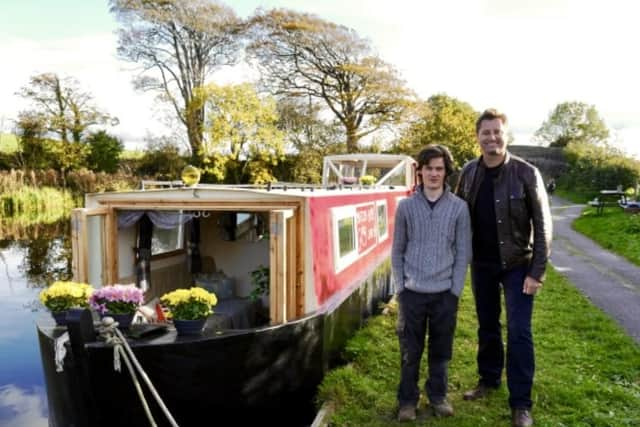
[
  {"x": 608, "y": 198},
  {"x": 598, "y": 204}
]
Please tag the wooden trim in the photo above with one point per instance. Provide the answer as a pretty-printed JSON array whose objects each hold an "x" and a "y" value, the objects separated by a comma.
[
  {"x": 198, "y": 204},
  {"x": 96, "y": 211},
  {"x": 278, "y": 255},
  {"x": 291, "y": 273},
  {"x": 300, "y": 262},
  {"x": 111, "y": 247},
  {"x": 77, "y": 254}
]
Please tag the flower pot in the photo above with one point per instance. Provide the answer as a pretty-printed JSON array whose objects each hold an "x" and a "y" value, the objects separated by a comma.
[
  {"x": 189, "y": 327},
  {"x": 60, "y": 317},
  {"x": 124, "y": 319}
]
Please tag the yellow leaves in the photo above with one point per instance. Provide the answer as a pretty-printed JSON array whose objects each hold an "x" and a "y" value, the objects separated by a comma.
[{"x": 242, "y": 137}]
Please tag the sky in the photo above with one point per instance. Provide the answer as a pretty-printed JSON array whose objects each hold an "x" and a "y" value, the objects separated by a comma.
[{"x": 521, "y": 56}]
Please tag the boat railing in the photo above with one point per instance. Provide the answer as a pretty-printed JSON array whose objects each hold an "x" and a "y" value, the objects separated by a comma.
[
  {"x": 279, "y": 185},
  {"x": 150, "y": 183}
]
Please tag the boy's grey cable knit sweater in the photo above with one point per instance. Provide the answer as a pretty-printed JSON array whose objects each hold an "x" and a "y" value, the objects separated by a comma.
[{"x": 431, "y": 247}]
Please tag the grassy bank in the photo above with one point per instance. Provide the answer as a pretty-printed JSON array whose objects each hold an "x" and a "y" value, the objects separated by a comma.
[
  {"x": 614, "y": 230},
  {"x": 8, "y": 143},
  {"x": 573, "y": 196},
  {"x": 35, "y": 205},
  {"x": 588, "y": 370}
]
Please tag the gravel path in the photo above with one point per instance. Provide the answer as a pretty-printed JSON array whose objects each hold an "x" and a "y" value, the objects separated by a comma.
[{"x": 609, "y": 281}]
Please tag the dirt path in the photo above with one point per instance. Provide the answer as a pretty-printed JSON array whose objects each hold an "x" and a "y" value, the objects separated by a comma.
[{"x": 609, "y": 281}]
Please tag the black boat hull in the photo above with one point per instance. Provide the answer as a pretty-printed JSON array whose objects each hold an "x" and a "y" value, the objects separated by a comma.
[{"x": 230, "y": 377}]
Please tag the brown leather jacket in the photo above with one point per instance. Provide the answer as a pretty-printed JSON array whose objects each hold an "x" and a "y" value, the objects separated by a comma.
[{"x": 523, "y": 218}]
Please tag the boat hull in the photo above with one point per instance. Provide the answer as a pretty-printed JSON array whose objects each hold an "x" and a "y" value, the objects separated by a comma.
[{"x": 269, "y": 374}]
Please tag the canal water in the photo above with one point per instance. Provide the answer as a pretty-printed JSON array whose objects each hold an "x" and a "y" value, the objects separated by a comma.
[{"x": 30, "y": 258}]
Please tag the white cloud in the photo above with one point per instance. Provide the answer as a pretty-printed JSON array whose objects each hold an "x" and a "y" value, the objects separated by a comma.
[
  {"x": 91, "y": 60},
  {"x": 520, "y": 56},
  {"x": 28, "y": 409}
]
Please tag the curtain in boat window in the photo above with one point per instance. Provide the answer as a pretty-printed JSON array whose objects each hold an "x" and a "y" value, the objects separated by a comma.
[
  {"x": 194, "y": 261},
  {"x": 143, "y": 254},
  {"x": 161, "y": 219}
]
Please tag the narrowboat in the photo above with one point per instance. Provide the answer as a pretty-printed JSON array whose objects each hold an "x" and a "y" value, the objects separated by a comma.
[{"x": 322, "y": 252}]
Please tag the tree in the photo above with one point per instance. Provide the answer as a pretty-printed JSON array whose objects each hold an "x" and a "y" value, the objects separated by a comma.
[
  {"x": 572, "y": 122},
  {"x": 104, "y": 152},
  {"x": 161, "y": 160},
  {"x": 308, "y": 136},
  {"x": 243, "y": 142},
  {"x": 62, "y": 107},
  {"x": 30, "y": 128},
  {"x": 178, "y": 43},
  {"x": 302, "y": 55},
  {"x": 443, "y": 120}
]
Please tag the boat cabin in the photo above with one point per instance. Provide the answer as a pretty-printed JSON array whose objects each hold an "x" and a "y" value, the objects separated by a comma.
[{"x": 309, "y": 241}]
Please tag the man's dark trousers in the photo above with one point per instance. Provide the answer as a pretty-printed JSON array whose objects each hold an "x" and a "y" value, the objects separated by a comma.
[
  {"x": 419, "y": 312},
  {"x": 486, "y": 280}
]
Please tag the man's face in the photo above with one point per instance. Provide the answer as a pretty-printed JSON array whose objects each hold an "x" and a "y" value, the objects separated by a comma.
[
  {"x": 491, "y": 138},
  {"x": 433, "y": 174}
]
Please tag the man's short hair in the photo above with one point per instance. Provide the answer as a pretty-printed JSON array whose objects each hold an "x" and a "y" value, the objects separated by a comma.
[
  {"x": 490, "y": 114},
  {"x": 433, "y": 151}
]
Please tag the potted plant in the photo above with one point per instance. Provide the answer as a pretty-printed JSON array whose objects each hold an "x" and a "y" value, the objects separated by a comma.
[
  {"x": 117, "y": 301},
  {"x": 260, "y": 282},
  {"x": 189, "y": 308},
  {"x": 61, "y": 296},
  {"x": 367, "y": 180}
]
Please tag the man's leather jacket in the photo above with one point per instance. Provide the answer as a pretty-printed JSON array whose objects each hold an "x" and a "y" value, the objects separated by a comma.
[{"x": 523, "y": 219}]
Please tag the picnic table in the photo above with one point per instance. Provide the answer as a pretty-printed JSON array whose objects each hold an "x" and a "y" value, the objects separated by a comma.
[{"x": 610, "y": 198}]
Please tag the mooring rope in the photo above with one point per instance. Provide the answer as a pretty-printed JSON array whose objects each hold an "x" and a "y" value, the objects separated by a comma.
[{"x": 114, "y": 337}]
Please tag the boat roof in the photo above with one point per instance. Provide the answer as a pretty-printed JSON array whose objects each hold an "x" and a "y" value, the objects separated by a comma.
[
  {"x": 374, "y": 159},
  {"x": 177, "y": 192}
]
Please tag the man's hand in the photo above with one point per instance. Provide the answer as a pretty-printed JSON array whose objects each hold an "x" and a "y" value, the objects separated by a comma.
[{"x": 531, "y": 286}]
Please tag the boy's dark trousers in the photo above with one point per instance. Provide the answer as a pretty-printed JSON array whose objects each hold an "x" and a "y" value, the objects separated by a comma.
[{"x": 417, "y": 314}]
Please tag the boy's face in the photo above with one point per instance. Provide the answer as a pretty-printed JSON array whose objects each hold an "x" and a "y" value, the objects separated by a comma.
[{"x": 433, "y": 174}]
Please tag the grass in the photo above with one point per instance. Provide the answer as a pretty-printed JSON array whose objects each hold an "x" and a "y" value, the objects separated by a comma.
[
  {"x": 588, "y": 369},
  {"x": 575, "y": 197},
  {"x": 614, "y": 230},
  {"x": 8, "y": 143}
]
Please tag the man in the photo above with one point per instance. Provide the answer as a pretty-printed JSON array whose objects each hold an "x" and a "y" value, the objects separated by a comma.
[
  {"x": 430, "y": 254},
  {"x": 511, "y": 226}
]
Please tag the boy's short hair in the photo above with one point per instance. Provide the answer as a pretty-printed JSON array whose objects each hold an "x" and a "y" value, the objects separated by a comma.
[
  {"x": 434, "y": 151},
  {"x": 490, "y": 114}
]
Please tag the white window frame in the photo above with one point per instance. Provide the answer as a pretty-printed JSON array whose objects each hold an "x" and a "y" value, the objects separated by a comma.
[{"x": 338, "y": 214}]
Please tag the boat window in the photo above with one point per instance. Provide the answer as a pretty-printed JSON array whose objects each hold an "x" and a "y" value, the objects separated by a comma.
[
  {"x": 383, "y": 231},
  {"x": 344, "y": 236},
  {"x": 163, "y": 241},
  {"x": 245, "y": 226}
]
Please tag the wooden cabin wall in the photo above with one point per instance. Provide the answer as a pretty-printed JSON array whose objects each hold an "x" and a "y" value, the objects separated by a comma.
[
  {"x": 235, "y": 258},
  {"x": 167, "y": 274},
  {"x": 310, "y": 298}
]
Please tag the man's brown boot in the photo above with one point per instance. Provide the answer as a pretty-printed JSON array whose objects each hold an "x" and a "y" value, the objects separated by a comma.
[
  {"x": 521, "y": 418},
  {"x": 442, "y": 409},
  {"x": 479, "y": 392},
  {"x": 407, "y": 413}
]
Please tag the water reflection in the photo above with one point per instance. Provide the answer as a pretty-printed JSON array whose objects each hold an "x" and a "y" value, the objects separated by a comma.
[
  {"x": 20, "y": 408},
  {"x": 31, "y": 256}
]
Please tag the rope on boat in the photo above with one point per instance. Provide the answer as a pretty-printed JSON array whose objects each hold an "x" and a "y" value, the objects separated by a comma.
[{"x": 114, "y": 337}]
